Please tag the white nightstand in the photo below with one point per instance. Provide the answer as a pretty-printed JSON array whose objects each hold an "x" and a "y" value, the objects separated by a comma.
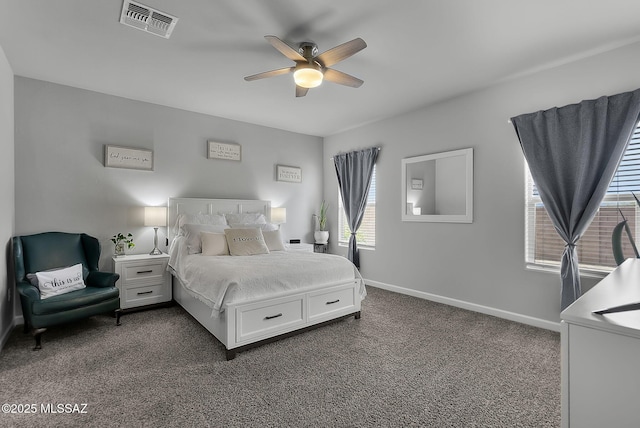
[
  {"x": 307, "y": 248},
  {"x": 144, "y": 280}
]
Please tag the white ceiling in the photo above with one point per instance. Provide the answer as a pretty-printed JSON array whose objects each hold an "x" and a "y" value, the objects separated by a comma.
[{"x": 419, "y": 51}]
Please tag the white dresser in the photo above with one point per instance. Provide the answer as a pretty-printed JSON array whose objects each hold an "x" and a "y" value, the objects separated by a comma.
[
  {"x": 144, "y": 280},
  {"x": 601, "y": 354}
]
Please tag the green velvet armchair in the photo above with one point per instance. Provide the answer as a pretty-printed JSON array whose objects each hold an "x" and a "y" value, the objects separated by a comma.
[{"x": 53, "y": 250}]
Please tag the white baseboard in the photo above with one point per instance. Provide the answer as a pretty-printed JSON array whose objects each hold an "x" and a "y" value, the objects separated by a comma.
[
  {"x": 5, "y": 334},
  {"x": 512, "y": 316}
]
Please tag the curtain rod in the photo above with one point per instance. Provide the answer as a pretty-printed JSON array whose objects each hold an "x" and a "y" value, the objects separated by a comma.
[{"x": 331, "y": 158}]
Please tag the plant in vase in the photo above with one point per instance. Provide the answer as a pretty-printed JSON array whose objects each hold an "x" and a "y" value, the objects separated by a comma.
[
  {"x": 120, "y": 240},
  {"x": 322, "y": 235}
]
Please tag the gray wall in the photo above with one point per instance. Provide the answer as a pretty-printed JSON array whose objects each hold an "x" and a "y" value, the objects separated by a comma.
[
  {"x": 62, "y": 183},
  {"x": 481, "y": 264},
  {"x": 7, "y": 295}
]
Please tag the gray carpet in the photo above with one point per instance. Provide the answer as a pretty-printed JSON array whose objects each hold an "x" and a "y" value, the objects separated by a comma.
[{"x": 407, "y": 362}]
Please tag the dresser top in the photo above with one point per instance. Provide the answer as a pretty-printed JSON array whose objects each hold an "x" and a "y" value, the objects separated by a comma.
[
  {"x": 134, "y": 257},
  {"x": 620, "y": 287}
]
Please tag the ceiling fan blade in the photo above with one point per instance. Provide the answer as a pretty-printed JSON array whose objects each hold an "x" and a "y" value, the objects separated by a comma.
[
  {"x": 300, "y": 91},
  {"x": 285, "y": 49},
  {"x": 343, "y": 51},
  {"x": 271, "y": 73},
  {"x": 341, "y": 78}
]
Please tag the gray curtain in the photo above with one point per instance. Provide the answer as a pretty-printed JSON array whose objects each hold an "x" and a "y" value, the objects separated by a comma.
[
  {"x": 354, "y": 171},
  {"x": 573, "y": 153}
]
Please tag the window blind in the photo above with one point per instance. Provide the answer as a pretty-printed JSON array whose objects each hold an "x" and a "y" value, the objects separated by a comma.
[
  {"x": 366, "y": 235},
  {"x": 543, "y": 245}
]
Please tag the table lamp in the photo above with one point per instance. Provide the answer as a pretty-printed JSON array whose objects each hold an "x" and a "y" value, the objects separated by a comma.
[
  {"x": 278, "y": 216},
  {"x": 155, "y": 217}
]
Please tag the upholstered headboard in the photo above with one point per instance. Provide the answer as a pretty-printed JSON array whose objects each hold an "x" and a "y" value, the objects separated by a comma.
[{"x": 177, "y": 206}]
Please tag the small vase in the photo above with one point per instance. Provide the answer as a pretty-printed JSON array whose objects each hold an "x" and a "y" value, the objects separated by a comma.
[
  {"x": 321, "y": 236},
  {"x": 119, "y": 249}
]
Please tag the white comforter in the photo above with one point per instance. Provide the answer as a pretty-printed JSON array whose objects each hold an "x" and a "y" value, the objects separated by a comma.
[{"x": 222, "y": 280}]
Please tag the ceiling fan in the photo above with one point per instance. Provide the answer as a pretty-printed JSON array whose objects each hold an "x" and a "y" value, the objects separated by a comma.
[{"x": 311, "y": 69}]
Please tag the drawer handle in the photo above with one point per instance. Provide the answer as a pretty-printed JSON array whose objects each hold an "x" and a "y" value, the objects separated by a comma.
[
  {"x": 145, "y": 292},
  {"x": 333, "y": 301},
  {"x": 144, "y": 271},
  {"x": 270, "y": 317}
]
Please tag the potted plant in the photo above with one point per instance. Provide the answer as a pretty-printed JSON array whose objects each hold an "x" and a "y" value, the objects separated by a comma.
[
  {"x": 322, "y": 235},
  {"x": 120, "y": 240}
]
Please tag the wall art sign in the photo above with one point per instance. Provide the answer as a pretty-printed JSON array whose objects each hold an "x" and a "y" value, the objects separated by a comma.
[
  {"x": 226, "y": 151},
  {"x": 416, "y": 184},
  {"x": 128, "y": 157},
  {"x": 292, "y": 174}
]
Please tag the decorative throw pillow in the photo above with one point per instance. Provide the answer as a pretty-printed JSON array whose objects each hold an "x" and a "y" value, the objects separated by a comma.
[
  {"x": 246, "y": 218},
  {"x": 214, "y": 244},
  {"x": 273, "y": 239},
  {"x": 192, "y": 234},
  {"x": 246, "y": 242},
  {"x": 55, "y": 282},
  {"x": 33, "y": 279}
]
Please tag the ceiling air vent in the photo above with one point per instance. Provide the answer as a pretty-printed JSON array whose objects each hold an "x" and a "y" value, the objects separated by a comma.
[{"x": 144, "y": 18}]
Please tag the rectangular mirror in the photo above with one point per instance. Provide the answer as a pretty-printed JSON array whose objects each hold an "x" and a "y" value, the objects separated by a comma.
[{"x": 438, "y": 187}]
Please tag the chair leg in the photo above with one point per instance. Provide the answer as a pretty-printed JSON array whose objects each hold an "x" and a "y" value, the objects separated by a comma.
[
  {"x": 37, "y": 334},
  {"x": 118, "y": 313}
]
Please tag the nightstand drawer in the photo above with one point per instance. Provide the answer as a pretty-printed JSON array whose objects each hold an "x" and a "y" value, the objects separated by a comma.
[
  {"x": 327, "y": 302},
  {"x": 144, "y": 280},
  {"x": 145, "y": 295},
  {"x": 144, "y": 272},
  {"x": 267, "y": 317}
]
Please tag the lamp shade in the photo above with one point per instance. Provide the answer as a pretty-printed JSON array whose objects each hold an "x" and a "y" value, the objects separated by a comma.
[
  {"x": 307, "y": 75},
  {"x": 155, "y": 216},
  {"x": 278, "y": 215}
]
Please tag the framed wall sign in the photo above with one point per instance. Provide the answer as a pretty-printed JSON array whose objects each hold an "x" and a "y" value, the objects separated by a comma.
[
  {"x": 292, "y": 174},
  {"x": 226, "y": 151},
  {"x": 128, "y": 157},
  {"x": 416, "y": 184}
]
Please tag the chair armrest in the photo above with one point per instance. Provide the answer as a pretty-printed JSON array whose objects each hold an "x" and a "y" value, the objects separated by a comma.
[
  {"x": 28, "y": 290},
  {"x": 101, "y": 279}
]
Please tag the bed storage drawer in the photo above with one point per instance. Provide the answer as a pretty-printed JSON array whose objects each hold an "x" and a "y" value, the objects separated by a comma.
[
  {"x": 266, "y": 318},
  {"x": 325, "y": 303}
]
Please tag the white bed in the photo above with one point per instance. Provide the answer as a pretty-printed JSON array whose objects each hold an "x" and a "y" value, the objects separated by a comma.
[{"x": 240, "y": 308}]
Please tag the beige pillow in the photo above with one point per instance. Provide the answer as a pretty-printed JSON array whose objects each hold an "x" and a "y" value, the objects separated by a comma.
[
  {"x": 246, "y": 242},
  {"x": 214, "y": 244},
  {"x": 273, "y": 239},
  {"x": 193, "y": 231}
]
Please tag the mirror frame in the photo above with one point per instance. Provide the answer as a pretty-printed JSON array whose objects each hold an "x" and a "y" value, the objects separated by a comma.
[{"x": 467, "y": 217}]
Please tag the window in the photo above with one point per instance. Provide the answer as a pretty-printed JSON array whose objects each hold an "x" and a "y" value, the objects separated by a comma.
[
  {"x": 366, "y": 235},
  {"x": 543, "y": 246}
]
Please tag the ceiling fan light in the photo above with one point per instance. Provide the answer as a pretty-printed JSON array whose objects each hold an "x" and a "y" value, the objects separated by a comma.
[{"x": 307, "y": 76}]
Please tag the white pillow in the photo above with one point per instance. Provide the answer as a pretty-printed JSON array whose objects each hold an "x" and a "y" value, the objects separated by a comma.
[
  {"x": 55, "y": 282},
  {"x": 214, "y": 244},
  {"x": 273, "y": 239},
  {"x": 246, "y": 242},
  {"x": 183, "y": 219},
  {"x": 261, "y": 226},
  {"x": 201, "y": 219},
  {"x": 246, "y": 218},
  {"x": 192, "y": 234}
]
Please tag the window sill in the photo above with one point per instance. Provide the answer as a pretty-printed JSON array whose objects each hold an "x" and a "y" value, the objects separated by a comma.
[
  {"x": 586, "y": 273},
  {"x": 360, "y": 247}
]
